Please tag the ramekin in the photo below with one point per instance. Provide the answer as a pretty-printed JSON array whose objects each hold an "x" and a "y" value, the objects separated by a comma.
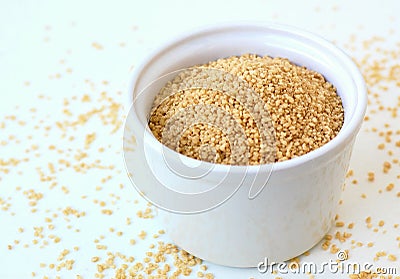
[{"x": 297, "y": 206}]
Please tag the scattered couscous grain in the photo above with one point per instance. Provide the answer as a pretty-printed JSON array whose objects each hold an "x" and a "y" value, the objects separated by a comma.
[
  {"x": 339, "y": 224},
  {"x": 390, "y": 187},
  {"x": 392, "y": 258},
  {"x": 39, "y": 196},
  {"x": 371, "y": 176},
  {"x": 386, "y": 166}
]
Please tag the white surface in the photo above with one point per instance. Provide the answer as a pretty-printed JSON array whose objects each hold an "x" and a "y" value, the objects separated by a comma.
[{"x": 36, "y": 36}]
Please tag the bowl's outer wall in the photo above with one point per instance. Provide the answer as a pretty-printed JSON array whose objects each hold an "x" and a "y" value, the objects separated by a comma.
[{"x": 297, "y": 207}]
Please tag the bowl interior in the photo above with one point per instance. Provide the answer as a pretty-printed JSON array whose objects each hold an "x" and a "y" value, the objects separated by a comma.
[{"x": 299, "y": 47}]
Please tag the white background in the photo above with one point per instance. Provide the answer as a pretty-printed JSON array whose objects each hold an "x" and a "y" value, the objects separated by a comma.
[{"x": 46, "y": 48}]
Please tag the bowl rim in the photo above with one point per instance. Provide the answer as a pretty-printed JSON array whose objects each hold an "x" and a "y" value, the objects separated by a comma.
[{"x": 345, "y": 133}]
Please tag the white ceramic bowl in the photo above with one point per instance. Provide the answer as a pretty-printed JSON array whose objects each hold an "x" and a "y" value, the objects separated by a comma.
[{"x": 221, "y": 223}]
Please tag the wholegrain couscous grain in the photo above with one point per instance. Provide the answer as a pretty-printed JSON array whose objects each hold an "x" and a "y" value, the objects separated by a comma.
[
  {"x": 380, "y": 67},
  {"x": 209, "y": 112}
]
